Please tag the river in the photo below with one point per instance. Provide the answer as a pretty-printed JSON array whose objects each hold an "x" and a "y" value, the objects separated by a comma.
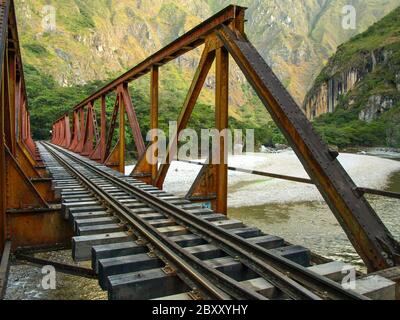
[{"x": 313, "y": 225}]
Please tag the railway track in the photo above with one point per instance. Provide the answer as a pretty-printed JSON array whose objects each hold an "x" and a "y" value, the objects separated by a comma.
[{"x": 140, "y": 237}]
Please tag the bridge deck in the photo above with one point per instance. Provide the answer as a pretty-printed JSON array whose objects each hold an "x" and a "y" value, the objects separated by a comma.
[{"x": 130, "y": 267}]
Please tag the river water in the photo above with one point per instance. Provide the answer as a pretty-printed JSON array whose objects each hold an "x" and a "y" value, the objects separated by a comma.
[
  {"x": 312, "y": 224},
  {"x": 293, "y": 211}
]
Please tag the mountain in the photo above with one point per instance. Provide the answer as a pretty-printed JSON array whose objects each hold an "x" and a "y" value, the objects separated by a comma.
[
  {"x": 360, "y": 88},
  {"x": 97, "y": 40}
]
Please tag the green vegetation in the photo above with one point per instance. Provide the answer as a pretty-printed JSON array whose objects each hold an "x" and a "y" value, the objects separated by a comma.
[
  {"x": 36, "y": 49},
  {"x": 343, "y": 128},
  {"x": 48, "y": 101},
  {"x": 85, "y": 19},
  {"x": 75, "y": 16}
]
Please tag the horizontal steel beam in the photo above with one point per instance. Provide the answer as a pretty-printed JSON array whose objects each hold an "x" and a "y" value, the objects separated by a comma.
[
  {"x": 381, "y": 193},
  {"x": 60, "y": 267},
  {"x": 299, "y": 180},
  {"x": 38, "y": 228}
]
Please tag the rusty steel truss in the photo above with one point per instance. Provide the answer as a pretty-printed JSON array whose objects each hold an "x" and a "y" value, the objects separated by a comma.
[
  {"x": 26, "y": 215},
  {"x": 221, "y": 37}
]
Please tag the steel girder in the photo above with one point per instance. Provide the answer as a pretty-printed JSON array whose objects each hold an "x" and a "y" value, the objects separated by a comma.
[{"x": 24, "y": 184}]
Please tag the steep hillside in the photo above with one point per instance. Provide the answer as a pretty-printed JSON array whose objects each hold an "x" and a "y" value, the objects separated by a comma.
[
  {"x": 97, "y": 39},
  {"x": 360, "y": 87},
  {"x": 297, "y": 37}
]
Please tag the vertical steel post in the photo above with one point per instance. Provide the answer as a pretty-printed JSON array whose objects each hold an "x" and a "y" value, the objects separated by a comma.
[
  {"x": 27, "y": 125},
  {"x": 75, "y": 131},
  {"x": 132, "y": 118},
  {"x": 221, "y": 121},
  {"x": 62, "y": 135},
  {"x": 12, "y": 66},
  {"x": 52, "y": 133},
  {"x": 58, "y": 133},
  {"x": 18, "y": 104},
  {"x": 23, "y": 122},
  {"x": 89, "y": 132},
  {"x": 121, "y": 134},
  {"x": 154, "y": 120},
  {"x": 62, "y": 129},
  {"x": 3, "y": 184},
  {"x": 6, "y": 105},
  {"x": 82, "y": 130},
  {"x": 103, "y": 125},
  {"x": 67, "y": 132}
]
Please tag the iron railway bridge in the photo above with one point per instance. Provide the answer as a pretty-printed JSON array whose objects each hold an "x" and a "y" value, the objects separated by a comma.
[{"x": 145, "y": 243}]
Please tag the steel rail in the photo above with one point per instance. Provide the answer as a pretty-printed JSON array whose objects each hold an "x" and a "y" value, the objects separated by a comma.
[
  {"x": 286, "y": 285},
  {"x": 209, "y": 281},
  {"x": 294, "y": 280}
]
